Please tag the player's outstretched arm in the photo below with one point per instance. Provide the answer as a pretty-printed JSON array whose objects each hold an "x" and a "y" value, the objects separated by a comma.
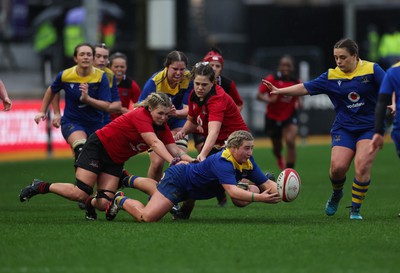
[{"x": 294, "y": 90}]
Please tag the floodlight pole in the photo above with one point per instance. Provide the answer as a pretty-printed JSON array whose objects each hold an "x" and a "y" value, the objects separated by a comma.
[
  {"x": 91, "y": 20},
  {"x": 350, "y": 17}
]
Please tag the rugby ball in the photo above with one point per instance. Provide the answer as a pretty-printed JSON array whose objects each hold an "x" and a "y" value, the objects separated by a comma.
[{"x": 288, "y": 185}]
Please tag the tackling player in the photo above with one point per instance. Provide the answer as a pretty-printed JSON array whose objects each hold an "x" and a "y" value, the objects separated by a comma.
[
  {"x": 204, "y": 180},
  {"x": 211, "y": 113},
  {"x": 104, "y": 154}
]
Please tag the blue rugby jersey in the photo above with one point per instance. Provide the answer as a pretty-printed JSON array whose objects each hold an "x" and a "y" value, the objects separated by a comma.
[
  {"x": 112, "y": 80},
  {"x": 203, "y": 180},
  {"x": 75, "y": 110},
  {"x": 354, "y": 95},
  {"x": 390, "y": 84}
]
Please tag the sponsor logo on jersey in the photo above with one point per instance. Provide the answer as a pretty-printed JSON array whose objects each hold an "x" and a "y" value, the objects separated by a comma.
[
  {"x": 339, "y": 82},
  {"x": 354, "y": 97}
]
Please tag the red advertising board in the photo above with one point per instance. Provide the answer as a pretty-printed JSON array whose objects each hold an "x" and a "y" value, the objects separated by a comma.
[{"x": 18, "y": 130}]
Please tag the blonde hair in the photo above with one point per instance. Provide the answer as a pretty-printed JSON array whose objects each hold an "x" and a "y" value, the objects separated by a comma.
[
  {"x": 154, "y": 100},
  {"x": 236, "y": 139}
]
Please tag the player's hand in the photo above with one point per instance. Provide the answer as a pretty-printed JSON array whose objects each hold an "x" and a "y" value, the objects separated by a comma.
[
  {"x": 268, "y": 197},
  {"x": 179, "y": 135},
  {"x": 376, "y": 143},
  {"x": 392, "y": 109},
  {"x": 7, "y": 104},
  {"x": 172, "y": 111},
  {"x": 200, "y": 129},
  {"x": 84, "y": 88},
  {"x": 40, "y": 117},
  {"x": 271, "y": 87},
  {"x": 201, "y": 157},
  {"x": 56, "y": 120},
  {"x": 124, "y": 110}
]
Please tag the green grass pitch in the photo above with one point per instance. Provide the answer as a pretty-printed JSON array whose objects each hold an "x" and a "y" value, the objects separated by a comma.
[{"x": 50, "y": 234}]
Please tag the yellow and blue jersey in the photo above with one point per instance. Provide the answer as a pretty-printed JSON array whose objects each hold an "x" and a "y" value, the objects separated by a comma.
[
  {"x": 159, "y": 83},
  {"x": 390, "y": 84},
  {"x": 204, "y": 180},
  {"x": 75, "y": 110},
  {"x": 353, "y": 95},
  {"x": 179, "y": 95}
]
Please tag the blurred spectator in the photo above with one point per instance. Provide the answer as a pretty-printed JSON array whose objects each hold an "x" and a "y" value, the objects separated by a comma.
[
  {"x": 389, "y": 48},
  {"x": 74, "y": 33},
  {"x": 373, "y": 43},
  {"x": 108, "y": 29},
  {"x": 44, "y": 43}
]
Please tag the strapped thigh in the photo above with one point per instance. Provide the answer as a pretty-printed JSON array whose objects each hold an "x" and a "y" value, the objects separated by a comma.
[{"x": 84, "y": 187}]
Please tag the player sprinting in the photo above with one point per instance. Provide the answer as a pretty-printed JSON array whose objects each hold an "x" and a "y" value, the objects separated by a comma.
[
  {"x": 353, "y": 88},
  {"x": 87, "y": 97},
  {"x": 281, "y": 113}
]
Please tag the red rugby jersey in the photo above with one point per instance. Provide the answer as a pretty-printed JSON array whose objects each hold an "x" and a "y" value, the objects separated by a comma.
[
  {"x": 217, "y": 106},
  {"x": 121, "y": 137},
  {"x": 284, "y": 107},
  {"x": 129, "y": 92}
]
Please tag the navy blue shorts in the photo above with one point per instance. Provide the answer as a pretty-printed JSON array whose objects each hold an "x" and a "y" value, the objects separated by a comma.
[
  {"x": 68, "y": 127},
  {"x": 344, "y": 138},
  {"x": 169, "y": 185}
]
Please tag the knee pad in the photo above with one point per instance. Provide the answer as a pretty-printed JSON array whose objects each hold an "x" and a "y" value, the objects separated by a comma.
[
  {"x": 183, "y": 142},
  {"x": 84, "y": 187},
  {"x": 102, "y": 194}
]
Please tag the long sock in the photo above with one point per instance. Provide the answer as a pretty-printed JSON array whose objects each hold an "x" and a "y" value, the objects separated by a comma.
[
  {"x": 44, "y": 187},
  {"x": 88, "y": 203},
  {"x": 358, "y": 193},
  {"x": 120, "y": 200},
  {"x": 289, "y": 165},
  {"x": 337, "y": 185},
  {"x": 130, "y": 181}
]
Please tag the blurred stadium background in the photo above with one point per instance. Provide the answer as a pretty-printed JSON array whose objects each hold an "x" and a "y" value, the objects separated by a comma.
[{"x": 252, "y": 35}]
